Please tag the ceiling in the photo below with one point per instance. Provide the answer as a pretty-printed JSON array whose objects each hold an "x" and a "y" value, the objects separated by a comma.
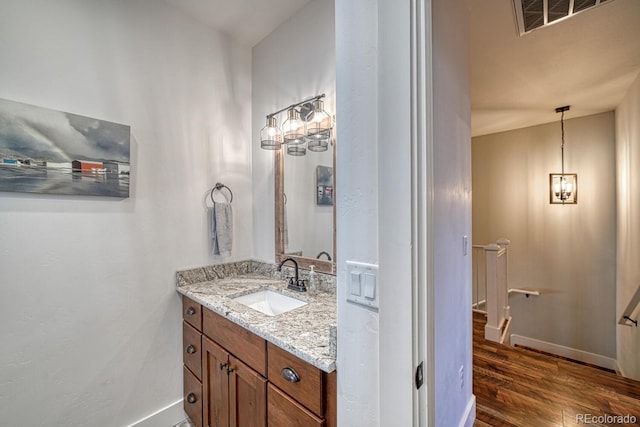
[
  {"x": 248, "y": 21},
  {"x": 587, "y": 61}
]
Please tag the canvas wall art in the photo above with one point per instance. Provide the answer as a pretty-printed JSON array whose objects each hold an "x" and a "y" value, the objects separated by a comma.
[{"x": 53, "y": 152}]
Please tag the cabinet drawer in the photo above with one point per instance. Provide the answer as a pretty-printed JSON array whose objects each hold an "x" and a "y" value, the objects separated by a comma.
[
  {"x": 192, "y": 349},
  {"x": 192, "y": 313},
  {"x": 297, "y": 378},
  {"x": 283, "y": 411},
  {"x": 236, "y": 340},
  {"x": 192, "y": 398}
]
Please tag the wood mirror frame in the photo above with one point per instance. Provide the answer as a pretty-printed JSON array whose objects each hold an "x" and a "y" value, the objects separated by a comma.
[{"x": 321, "y": 265}]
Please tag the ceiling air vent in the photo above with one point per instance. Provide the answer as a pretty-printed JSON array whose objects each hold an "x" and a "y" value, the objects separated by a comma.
[{"x": 533, "y": 14}]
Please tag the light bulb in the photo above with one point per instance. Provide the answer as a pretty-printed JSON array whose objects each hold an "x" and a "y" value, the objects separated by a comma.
[
  {"x": 293, "y": 128},
  {"x": 318, "y": 122}
]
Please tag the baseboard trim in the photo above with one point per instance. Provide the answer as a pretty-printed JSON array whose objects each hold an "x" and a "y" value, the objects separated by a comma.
[
  {"x": 619, "y": 370},
  {"x": 568, "y": 352},
  {"x": 469, "y": 416},
  {"x": 167, "y": 416}
]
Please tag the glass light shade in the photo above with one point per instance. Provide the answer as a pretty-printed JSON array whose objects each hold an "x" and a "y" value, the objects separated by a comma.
[
  {"x": 271, "y": 135},
  {"x": 567, "y": 188},
  {"x": 318, "y": 122},
  {"x": 296, "y": 150},
  {"x": 293, "y": 128},
  {"x": 563, "y": 189}
]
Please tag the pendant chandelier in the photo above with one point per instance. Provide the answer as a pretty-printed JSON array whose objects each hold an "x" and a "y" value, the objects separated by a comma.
[
  {"x": 563, "y": 187},
  {"x": 307, "y": 126}
]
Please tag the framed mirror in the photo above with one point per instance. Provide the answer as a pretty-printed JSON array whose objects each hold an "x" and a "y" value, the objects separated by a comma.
[{"x": 305, "y": 208}]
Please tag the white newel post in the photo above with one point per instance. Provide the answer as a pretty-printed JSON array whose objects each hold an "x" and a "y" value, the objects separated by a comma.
[
  {"x": 504, "y": 244},
  {"x": 498, "y": 310},
  {"x": 494, "y": 303}
]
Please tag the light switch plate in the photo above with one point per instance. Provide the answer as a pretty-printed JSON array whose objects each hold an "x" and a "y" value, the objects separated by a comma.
[{"x": 362, "y": 284}]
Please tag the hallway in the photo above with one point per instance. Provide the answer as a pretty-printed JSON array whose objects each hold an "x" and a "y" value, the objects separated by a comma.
[{"x": 524, "y": 388}]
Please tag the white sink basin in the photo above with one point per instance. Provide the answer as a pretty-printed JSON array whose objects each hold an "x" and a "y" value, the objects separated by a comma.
[{"x": 269, "y": 302}]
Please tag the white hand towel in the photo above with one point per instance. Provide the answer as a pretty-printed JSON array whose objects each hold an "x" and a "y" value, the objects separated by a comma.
[{"x": 222, "y": 228}]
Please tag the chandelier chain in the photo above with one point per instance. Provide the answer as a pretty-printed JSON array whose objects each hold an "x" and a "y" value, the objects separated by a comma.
[{"x": 562, "y": 146}]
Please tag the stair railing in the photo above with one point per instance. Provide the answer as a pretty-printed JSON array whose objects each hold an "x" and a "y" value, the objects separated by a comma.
[{"x": 626, "y": 318}]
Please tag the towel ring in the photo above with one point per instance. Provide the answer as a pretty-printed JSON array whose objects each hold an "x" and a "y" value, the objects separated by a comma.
[{"x": 219, "y": 187}]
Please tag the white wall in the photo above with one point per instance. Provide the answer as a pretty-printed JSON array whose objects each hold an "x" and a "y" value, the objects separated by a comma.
[
  {"x": 374, "y": 211},
  {"x": 452, "y": 213},
  {"x": 296, "y": 61},
  {"x": 567, "y": 252},
  {"x": 357, "y": 207},
  {"x": 89, "y": 318},
  {"x": 396, "y": 344},
  {"x": 628, "y": 232}
]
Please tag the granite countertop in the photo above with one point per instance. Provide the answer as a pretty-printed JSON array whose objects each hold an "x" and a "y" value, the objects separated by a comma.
[{"x": 304, "y": 331}]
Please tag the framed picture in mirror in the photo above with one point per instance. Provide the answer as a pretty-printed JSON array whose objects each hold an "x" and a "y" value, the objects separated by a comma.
[{"x": 324, "y": 186}]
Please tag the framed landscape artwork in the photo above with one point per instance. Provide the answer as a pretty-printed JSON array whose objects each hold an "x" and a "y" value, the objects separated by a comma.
[{"x": 53, "y": 152}]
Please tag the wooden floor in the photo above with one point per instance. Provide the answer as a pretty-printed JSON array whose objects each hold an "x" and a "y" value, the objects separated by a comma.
[{"x": 519, "y": 387}]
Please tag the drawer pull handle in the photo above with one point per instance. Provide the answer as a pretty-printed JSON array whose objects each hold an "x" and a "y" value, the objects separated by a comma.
[
  {"x": 290, "y": 375},
  {"x": 191, "y": 349},
  {"x": 191, "y": 311},
  {"x": 191, "y": 398}
]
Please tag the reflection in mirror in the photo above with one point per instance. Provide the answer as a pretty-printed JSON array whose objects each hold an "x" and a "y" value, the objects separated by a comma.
[
  {"x": 305, "y": 223},
  {"x": 308, "y": 184}
]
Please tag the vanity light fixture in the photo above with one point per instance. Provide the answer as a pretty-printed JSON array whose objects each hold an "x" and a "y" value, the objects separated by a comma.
[
  {"x": 563, "y": 187},
  {"x": 307, "y": 122}
]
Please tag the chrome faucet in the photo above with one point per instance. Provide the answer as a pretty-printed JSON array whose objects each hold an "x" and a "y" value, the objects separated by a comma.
[{"x": 294, "y": 283}]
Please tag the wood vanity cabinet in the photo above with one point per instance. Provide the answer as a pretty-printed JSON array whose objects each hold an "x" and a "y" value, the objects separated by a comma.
[{"x": 247, "y": 382}]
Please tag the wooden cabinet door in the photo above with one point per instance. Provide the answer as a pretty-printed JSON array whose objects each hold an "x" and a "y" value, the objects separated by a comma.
[
  {"x": 247, "y": 396},
  {"x": 284, "y": 411},
  {"x": 215, "y": 384}
]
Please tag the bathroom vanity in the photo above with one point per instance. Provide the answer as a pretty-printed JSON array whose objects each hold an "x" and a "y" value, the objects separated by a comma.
[{"x": 245, "y": 367}]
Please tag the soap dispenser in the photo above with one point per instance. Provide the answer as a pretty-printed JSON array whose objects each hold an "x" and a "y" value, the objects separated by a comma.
[{"x": 313, "y": 281}]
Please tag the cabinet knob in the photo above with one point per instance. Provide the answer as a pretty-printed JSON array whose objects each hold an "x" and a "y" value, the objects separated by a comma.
[
  {"x": 290, "y": 375},
  {"x": 191, "y": 311},
  {"x": 230, "y": 370},
  {"x": 191, "y": 349},
  {"x": 222, "y": 366},
  {"x": 191, "y": 398}
]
